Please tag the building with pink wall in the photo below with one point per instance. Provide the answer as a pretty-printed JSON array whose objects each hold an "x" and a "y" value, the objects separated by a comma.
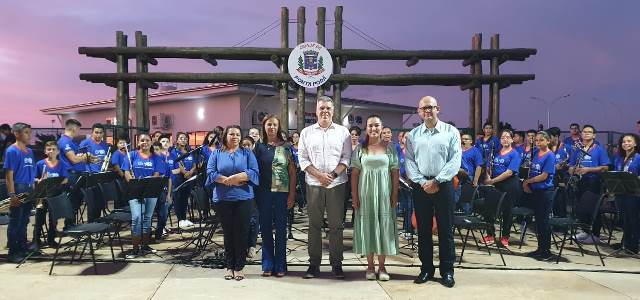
[{"x": 200, "y": 109}]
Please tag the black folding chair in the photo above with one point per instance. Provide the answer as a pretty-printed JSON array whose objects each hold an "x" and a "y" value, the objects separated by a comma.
[
  {"x": 488, "y": 201},
  {"x": 570, "y": 225},
  {"x": 60, "y": 207},
  {"x": 526, "y": 215},
  {"x": 207, "y": 223}
]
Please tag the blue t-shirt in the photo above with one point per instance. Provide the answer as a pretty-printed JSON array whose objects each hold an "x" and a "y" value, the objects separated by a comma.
[
  {"x": 632, "y": 165},
  {"x": 596, "y": 157},
  {"x": 66, "y": 144},
  {"x": 545, "y": 163},
  {"x": 524, "y": 154},
  {"x": 117, "y": 158},
  {"x": 22, "y": 163},
  {"x": 56, "y": 170},
  {"x": 95, "y": 149},
  {"x": 144, "y": 166},
  {"x": 224, "y": 163},
  {"x": 471, "y": 159},
  {"x": 507, "y": 161},
  {"x": 187, "y": 161},
  {"x": 486, "y": 146}
]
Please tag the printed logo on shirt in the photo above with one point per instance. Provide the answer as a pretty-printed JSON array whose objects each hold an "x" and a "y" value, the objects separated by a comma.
[
  {"x": 67, "y": 147},
  {"x": 28, "y": 161},
  {"x": 144, "y": 164},
  {"x": 100, "y": 152}
]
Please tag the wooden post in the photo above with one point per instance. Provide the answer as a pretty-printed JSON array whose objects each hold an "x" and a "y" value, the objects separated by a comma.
[
  {"x": 322, "y": 13},
  {"x": 337, "y": 66},
  {"x": 122, "y": 89},
  {"x": 472, "y": 92},
  {"x": 477, "y": 100},
  {"x": 283, "y": 86},
  {"x": 301, "y": 92},
  {"x": 495, "y": 87},
  {"x": 142, "y": 108}
]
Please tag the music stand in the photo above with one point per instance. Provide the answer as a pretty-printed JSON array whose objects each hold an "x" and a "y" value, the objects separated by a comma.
[
  {"x": 148, "y": 187},
  {"x": 88, "y": 181},
  {"x": 41, "y": 191},
  {"x": 622, "y": 183}
]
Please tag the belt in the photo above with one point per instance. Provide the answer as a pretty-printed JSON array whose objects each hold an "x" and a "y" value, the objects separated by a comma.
[{"x": 430, "y": 177}]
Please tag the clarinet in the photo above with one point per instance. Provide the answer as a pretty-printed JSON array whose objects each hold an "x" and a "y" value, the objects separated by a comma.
[
  {"x": 575, "y": 178},
  {"x": 490, "y": 161}
]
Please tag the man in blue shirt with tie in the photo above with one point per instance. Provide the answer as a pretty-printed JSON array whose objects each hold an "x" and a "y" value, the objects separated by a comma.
[{"x": 433, "y": 157}]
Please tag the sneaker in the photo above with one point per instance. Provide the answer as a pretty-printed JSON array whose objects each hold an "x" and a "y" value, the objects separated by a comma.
[
  {"x": 383, "y": 276},
  {"x": 312, "y": 272},
  {"x": 408, "y": 236},
  {"x": 185, "y": 224},
  {"x": 581, "y": 236},
  {"x": 489, "y": 239},
  {"x": 148, "y": 249},
  {"x": 132, "y": 254},
  {"x": 337, "y": 272},
  {"x": 590, "y": 240},
  {"x": 370, "y": 275},
  {"x": 188, "y": 223},
  {"x": 544, "y": 256},
  {"x": 504, "y": 241},
  {"x": 534, "y": 253}
]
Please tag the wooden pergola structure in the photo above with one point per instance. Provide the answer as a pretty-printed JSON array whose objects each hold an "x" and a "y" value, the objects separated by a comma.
[{"x": 145, "y": 55}]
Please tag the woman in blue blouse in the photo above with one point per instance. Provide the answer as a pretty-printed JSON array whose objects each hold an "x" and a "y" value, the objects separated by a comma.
[
  {"x": 540, "y": 184},
  {"x": 275, "y": 195},
  {"x": 142, "y": 163},
  {"x": 504, "y": 176},
  {"x": 186, "y": 167},
  {"x": 629, "y": 161},
  {"x": 233, "y": 171}
]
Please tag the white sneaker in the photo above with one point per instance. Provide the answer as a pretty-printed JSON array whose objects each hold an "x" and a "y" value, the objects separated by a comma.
[
  {"x": 370, "y": 275},
  {"x": 590, "y": 240},
  {"x": 188, "y": 223},
  {"x": 184, "y": 224},
  {"x": 408, "y": 236},
  {"x": 581, "y": 236}
]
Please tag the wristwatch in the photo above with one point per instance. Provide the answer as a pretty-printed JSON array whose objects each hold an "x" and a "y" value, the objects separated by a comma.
[{"x": 334, "y": 174}]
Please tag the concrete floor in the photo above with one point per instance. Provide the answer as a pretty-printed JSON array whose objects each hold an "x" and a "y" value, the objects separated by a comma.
[{"x": 175, "y": 276}]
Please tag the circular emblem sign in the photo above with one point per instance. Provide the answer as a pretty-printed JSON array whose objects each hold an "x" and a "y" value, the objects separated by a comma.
[{"x": 310, "y": 65}]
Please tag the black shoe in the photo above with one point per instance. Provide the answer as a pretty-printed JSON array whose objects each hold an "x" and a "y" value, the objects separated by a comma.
[
  {"x": 447, "y": 280},
  {"x": 616, "y": 246},
  {"x": 423, "y": 277},
  {"x": 15, "y": 258},
  {"x": 544, "y": 256},
  {"x": 53, "y": 244},
  {"x": 312, "y": 272},
  {"x": 533, "y": 253},
  {"x": 337, "y": 272},
  {"x": 147, "y": 249},
  {"x": 290, "y": 236}
]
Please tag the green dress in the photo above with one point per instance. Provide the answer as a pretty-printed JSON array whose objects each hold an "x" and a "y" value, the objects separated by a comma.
[{"x": 375, "y": 230}]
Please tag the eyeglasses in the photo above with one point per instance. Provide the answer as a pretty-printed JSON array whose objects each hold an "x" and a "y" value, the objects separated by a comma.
[{"x": 428, "y": 108}]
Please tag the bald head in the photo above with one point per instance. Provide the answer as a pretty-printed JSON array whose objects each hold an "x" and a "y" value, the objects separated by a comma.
[
  {"x": 428, "y": 110},
  {"x": 428, "y": 100}
]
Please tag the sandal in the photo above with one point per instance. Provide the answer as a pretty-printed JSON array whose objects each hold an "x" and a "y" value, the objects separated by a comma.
[
  {"x": 266, "y": 274},
  {"x": 228, "y": 275},
  {"x": 238, "y": 275}
]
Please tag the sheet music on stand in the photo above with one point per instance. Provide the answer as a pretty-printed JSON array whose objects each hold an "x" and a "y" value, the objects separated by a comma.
[{"x": 622, "y": 183}]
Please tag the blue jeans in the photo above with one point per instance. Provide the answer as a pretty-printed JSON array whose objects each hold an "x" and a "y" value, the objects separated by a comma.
[
  {"x": 18, "y": 221},
  {"x": 141, "y": 214},
  {"x": 272, "y": 207},
  {"x": 406, "y": 205},
  {"x": 162, "y": 206},
  {"x": 543, "y": 203}
]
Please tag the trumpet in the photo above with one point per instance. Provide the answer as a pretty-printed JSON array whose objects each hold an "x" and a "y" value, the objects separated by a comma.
[
  {"x": 107, "y": 159},
  {"x": 6, "y": 203}
]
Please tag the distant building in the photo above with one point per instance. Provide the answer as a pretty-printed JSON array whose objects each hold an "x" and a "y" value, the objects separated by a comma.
[{"x": 199, "y": 109}]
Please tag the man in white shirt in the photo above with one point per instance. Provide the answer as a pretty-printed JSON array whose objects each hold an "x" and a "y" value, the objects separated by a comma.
[{"x": 324, "y": 154}]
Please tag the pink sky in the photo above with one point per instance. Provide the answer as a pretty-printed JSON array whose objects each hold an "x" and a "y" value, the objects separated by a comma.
[{"x": 585, "y": 48}]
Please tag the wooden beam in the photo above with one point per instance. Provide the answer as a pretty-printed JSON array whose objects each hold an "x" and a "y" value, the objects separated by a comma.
[
  {"x": 337, "y": 63},
  {"x": 142, "y": 121},
  {"x": 477, "y": 93},
  {"x": 494, "y": 88},
  {"x": 256, "y": 53},
  {"x": 282, "y": 86},
  {"x": 471, "y": 120},
  {"x": 320, "y": 24},
  {"x": 300, "y": 104},
  {"x": 352, "y": 79},
  {"x": 122, "y": 87}
]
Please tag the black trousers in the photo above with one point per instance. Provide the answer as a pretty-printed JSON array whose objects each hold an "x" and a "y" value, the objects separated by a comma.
[
  {"x": 513, "y": 189},
  {"x": 586, "y": 206},
  {"x": 631, "y": 227},
  {"x": 235, "y": 225},
  {"x": 425, "y": 205}
]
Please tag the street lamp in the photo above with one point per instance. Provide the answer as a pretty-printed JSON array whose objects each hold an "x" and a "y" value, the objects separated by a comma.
[{"x": 549, "y": 104}]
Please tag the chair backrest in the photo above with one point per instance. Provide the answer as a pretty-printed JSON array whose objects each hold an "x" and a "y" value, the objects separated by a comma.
[
  {"x": 60, "y": 207},
  {"x": 490, "y": 200},
  {"x": 597, "y": 199},
  {"x": 95, "y": 203},
  {"x": 467, "y": 193},
  {"x": 109, "y": 192}
]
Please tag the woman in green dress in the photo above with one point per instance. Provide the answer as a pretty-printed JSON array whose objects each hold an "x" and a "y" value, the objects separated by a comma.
[{"x": 374, "y": 188}]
